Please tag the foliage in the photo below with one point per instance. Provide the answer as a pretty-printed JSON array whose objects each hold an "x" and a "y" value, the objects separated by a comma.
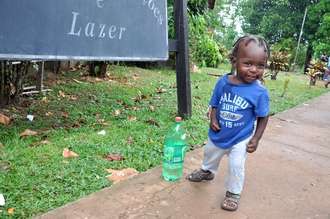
[
  {"x": 275, "y": 20},
  {"x": 316, "y": 69},
  {"x": 322, "y": 43},
  {"x": 204, "y": 48},
  {"x": 285, "y": 86},
  {"x": 196, "y": 7},
  {"x": 279, "y": 61},
  {"x": 289, "y": 46},
  {"x": 207, "y": 52},
  {"x": 281, "y": 20},
  {"x": 317, "y": 26}
]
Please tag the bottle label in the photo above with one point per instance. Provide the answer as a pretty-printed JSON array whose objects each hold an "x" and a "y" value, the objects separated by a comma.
[{"x": 174, "y": 154}]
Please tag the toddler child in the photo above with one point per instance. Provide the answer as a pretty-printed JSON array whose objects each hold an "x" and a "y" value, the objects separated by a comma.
[{"x": 238, "y": 117}]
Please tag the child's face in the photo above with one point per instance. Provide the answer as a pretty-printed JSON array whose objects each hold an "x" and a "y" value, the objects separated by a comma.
[{"x": 251, "y": 62}]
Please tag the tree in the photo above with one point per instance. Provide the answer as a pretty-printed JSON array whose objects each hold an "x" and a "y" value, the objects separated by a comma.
[
  {"x": 279, "y": 20},
  {"x": 318, "y": 23},
  {"x": 274, "y": 20}
]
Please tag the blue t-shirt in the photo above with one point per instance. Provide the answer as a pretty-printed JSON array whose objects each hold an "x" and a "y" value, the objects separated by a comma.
[{"x": 238, "y": 106}]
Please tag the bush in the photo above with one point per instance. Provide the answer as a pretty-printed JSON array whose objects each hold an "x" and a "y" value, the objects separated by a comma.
[
  {"x": 289, "y": 46},
  {"x": 206, "y": 52},
  {"x": 203, "y": 47}
]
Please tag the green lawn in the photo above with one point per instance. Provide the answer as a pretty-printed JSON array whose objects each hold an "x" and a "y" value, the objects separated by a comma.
[{"x": 134, "y": 106}]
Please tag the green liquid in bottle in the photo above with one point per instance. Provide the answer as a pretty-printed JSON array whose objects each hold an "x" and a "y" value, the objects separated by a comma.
[{"x": 174, "y": 153}]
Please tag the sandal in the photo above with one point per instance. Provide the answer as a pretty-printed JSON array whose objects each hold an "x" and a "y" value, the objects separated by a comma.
[
  {"x": 230, "y": 202},
  {"x": 200, "y": 175}
]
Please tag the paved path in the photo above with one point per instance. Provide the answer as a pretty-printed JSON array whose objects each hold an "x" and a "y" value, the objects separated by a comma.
[{"x": 288, "y": 177}]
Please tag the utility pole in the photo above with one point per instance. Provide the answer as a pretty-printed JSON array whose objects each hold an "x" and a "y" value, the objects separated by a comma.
[{"x": 301, "y": 32}]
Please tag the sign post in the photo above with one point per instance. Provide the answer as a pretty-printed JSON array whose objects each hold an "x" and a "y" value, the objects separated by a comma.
[{"x": 180, "y": 46}]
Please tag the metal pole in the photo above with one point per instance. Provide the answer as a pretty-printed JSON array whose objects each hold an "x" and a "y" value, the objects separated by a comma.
[
  {"x": 301, "y": 32},
  {"x": 182, "y": 61},
  {"x": 40, "y": 75}
]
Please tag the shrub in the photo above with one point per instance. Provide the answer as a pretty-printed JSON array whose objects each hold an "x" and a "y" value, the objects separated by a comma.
[{"x": 206, "y": 52}]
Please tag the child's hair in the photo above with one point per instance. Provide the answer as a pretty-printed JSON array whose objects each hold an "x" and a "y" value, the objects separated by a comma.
[{"x": 247, "y": 39}]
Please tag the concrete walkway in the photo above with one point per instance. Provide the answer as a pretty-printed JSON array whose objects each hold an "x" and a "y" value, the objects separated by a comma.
[{"x": 288, "y": 177}]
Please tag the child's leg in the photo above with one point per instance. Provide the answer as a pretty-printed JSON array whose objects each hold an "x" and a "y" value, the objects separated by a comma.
[
  {"x": 212, "y": 157},
  {"x": 237, "y": 157}
]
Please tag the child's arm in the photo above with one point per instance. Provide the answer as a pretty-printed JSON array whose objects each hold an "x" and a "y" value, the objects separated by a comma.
[
  {"x": 214, "y": 124},
  {"x": 261, "y": 126}
]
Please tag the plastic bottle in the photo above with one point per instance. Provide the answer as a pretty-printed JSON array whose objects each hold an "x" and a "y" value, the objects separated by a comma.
[{"x": 174, "y": 152}]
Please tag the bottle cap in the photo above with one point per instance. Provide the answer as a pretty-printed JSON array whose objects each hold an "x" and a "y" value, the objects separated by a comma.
[{"x": 178, "y": 119}]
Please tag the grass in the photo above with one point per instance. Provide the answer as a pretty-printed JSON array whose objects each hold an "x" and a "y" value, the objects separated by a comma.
[{"x": 134, "y": 106}]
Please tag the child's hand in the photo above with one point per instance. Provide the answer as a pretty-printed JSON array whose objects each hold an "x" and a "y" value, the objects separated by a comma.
[
  {"x": 252, "y": 145},
  {"x": 214, "y": 125}
]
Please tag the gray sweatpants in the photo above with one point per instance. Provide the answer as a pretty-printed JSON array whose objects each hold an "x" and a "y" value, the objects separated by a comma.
[{"x": 236, "y": 161}]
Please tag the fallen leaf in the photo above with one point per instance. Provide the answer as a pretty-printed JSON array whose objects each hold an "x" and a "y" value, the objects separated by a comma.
[
  {"x": 79, "y": 82},
  {"x": 101, "y": 122},
  {"x": 5, "y": 120},
  {"x": 120, "y": 175},
  {"x": 76, "y": 125},
  {"x": 4, "y": 166},
  {"x": 130, "y": 140},
  {"x": 173, "y": 85},
  {"x": 135, "y": 77},
  {"x": 69, "y": 154},
  {"x": 65, "y": 114},
  {"x": 10, "y": 210},
  {"x": 73, "y": 69},
  {"x": 44, "y": 100},
  {"x": 151, "y": 108},
  {"x": 36, "y": 144},
  {"x": 49, "y": 114},
  {"x": 114, "y": 157},
  {"x": 117, "y": 112},
  {"x": 2, "y": 200},
  {"x": 28, "y": 132},
  {"x": 160, "y": 90},
  {"x": 102, "y": 132},
  {"x": 72, "y": 97},
  {"x": 61, "y": 94},
  {"x": 131, "y": 118},
  {"x": 120, "y": 102},
  {"x": 153, "y": 122},
  {"x": 140, "y": 97}
]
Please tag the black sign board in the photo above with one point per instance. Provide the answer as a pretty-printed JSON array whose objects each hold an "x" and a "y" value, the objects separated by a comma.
[{"x": 83, "y": 29}]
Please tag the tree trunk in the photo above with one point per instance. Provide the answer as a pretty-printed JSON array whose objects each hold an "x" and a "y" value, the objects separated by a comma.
[
  {"x": 11, "y": 78},
  {"x": 309, "y": 54},
  {"x": 98, "y": 68},
  {"x": 211, "y": 4},
  {"x": 312, "y": 81},
  {"x": 53, "y": 66},
  {"x": 273, "y": 75},
  {"x": 2, "y": 83}
]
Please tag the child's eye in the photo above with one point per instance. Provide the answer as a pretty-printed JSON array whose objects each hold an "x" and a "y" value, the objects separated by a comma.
[{"x": 261, "y": 66}]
